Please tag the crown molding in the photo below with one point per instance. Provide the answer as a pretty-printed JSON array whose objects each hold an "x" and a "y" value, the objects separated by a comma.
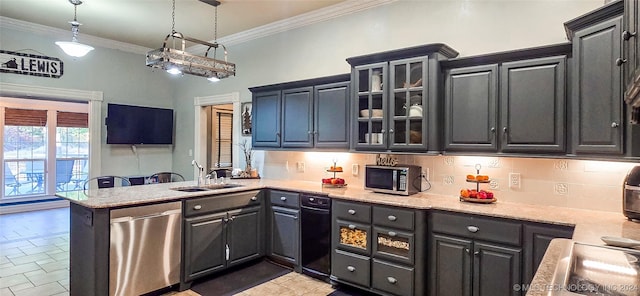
[
  {"x": 55, "y": 33},
  {"x": 309, "y": 18},
  {"x": 305, "y": 19}
]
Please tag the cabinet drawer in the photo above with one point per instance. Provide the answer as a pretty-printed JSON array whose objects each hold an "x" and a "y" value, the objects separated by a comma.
[
  {"x": 352, "y": 211},
  {"x": 351, "y": 267},
  {"x": 391, "y": 278},
  {"x": 210, "y": 204},
  {"x": 284, "y": 199},
  {"x": 475, "y": 227},
  {"x": 393, "y": 217},
  {"x": 353, "y": 237},
  {"x": 394, "y": 245}
]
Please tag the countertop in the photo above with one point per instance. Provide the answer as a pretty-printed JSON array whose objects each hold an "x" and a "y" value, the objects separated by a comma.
[{"x": 589, "y": 225}]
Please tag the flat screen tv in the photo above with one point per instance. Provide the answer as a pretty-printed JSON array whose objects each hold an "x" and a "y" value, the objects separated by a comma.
[{"x": 139, "y": 125}]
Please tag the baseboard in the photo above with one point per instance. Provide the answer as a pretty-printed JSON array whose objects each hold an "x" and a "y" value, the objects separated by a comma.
[{"x": 35, "y": 206}]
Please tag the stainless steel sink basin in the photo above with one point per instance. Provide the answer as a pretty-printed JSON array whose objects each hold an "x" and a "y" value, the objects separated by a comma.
[
  {"x": 205, "y": 187},
  {"x": 597, "y": 270}
]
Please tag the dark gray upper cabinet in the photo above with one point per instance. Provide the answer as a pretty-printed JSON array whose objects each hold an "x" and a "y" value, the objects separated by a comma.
[
  {"x": 265, "y": 113},
  {"x": 470, "y": 108},
  {"x": 297, "y": 111},
  {"x": 596, "y": 102},
  {"x": 331, "y": 117},
  {"x": 533, "y": 105},
  {"x": 513, "y": 102},
  {"x": 631, "y": 40},
  {"x": 396, "y": 105},
  {"x": 302, "y": 114}
]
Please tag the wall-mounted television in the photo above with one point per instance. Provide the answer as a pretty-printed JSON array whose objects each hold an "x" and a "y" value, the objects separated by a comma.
[{"x": 134, "y": 125}]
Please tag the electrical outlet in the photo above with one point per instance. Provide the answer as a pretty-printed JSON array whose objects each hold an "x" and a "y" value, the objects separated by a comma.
[
  {"x": 300, "y": 167},
  {"x": 514, "y": 180},
  {"x": 425, "y": 173},
  {"x": 354, "y": 169}
]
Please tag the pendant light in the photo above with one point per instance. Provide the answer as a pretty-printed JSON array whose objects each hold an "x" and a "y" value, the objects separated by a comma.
[
  {"x": 175, "y": 60},
  {"x": 74, "y": 48}
]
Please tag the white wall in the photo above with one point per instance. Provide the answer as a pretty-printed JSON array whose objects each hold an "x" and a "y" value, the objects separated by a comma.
[
  {"x": 471, "y": 27},
  {"x": 121, "y": 76}
]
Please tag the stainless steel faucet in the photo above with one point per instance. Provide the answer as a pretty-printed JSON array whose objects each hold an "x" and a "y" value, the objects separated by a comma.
[{"x": 200, "y": 172}]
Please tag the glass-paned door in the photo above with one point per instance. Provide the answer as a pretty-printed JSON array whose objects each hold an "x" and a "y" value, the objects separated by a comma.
[
  {"x": 44, "y": 151},
  {"x": 371, "y": 100},
  {"x": 24, "y": 148},
  {"x": 408, "y": 104}
]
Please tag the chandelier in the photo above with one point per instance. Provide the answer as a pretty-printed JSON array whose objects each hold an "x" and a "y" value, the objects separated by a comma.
[
  {"x": 74, "y": 48},
  {"x": 175, "y": 60}
]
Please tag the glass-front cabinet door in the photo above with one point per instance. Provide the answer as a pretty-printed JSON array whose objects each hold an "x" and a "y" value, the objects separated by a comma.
[
  {"x": 408, "y": 104},
  {"x": 371, "y": 101}
]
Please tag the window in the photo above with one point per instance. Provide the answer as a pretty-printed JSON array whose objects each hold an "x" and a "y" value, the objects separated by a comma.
[{"x": 221, "y": 136}]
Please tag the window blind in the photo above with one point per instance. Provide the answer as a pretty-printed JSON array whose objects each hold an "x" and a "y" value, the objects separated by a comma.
[
  {"x": 73, "y": 119},
  {"x": 223, "y": 139},
  {"x": 25, "y": 117}
]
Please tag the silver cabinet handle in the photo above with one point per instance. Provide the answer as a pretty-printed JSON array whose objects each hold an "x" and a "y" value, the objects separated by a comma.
[
  {"x": 392, "y": 218},
  {"x": 504, "y": 129},
  {"x": 476, "y": 253},
  {"x": 226, "y": 252},
  {"x": 382, "y": 131},
  {"x": 391, "y": 131},
  {"x": 254, "y": 198},
  {"x": 225, "y": 220},
  {"x": 614, "y": 125},
  {"x": 620, "y": 61},
  {"x": 295, "y": 217},
  {"x": 197, "y": 207},
  {"x": 282, "y": 198},
  {"x": 310, "y": 132},
  {"x": 626, "y": 35},
  {"x": 351, "y": 226},
  {"x": 311, "y": 199},
  {"x": 351, "y": 268},
  {"x": 493, "y": 129},
  {"x": 466, "y": 250},
  {"x": 351, "y": 212},
  {"x": 232, "y": 217},
  {"x": 473, "y": 229},
  {"x": 391, "y": 280},
  {"x": 392, "y": 233}
]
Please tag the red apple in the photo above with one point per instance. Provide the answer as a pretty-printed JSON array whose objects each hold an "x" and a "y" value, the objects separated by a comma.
[
  {"x": 489, "y": 195},
  {"x": 482, "y": 195},
  {"x": 340, "y": 181},
  {"x": 326, "y": 181},
  {"x": 473, "y": 193}
]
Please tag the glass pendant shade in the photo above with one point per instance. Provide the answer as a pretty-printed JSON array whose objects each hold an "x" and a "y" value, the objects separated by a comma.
[{"x": 74, "y": 48}]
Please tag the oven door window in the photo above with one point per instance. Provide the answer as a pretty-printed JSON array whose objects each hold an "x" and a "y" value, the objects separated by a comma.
[{"x": 379, "y": 178}]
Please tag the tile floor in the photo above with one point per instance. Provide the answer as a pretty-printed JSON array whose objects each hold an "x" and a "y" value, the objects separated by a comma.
[{"x": 34, "y": 260}]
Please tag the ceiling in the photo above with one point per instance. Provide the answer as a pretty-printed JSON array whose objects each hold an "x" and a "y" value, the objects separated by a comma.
[{"x": 147, "y": 22}]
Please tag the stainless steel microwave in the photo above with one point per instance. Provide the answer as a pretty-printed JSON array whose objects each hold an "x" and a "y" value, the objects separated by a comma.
[{"x": 400, "y": 179}]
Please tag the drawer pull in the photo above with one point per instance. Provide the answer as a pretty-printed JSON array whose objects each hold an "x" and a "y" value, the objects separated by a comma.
[
  {"x": 351, "y": 268},
  {"x": 391, "y": 280},
  {"x": 254, "y": 198},
  {"x": 197, "y": 207},
  {"x": 351, "y": 226},
  {"x": 392, "y": 233},
  {"x": 282, "y": 198},
  {"x": 473, "y": 229},
  {"x": 351, "y": 212},
  {"x": 392, "y": 218}
]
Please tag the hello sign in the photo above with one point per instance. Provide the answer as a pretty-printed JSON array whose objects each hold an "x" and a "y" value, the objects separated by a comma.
[{"x": 30, "y": 64}]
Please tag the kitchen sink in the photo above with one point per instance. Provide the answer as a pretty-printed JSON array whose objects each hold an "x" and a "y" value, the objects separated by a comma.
[
  {"x": 597, "y": 270},
  {"x": 209, "y": 187}
]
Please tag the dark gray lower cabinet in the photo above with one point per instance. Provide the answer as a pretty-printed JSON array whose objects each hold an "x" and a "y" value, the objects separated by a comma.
[
  {"x": 378, "y": 248},
  {"x": 220, "y": 231},
  {"x": 244, "y": 235},
  {"x": 496, "y": 269},
  {"x": 204, "y": 245},
  {"x": 285, "y": 234},
  {"x": 450, "y": 265},
  {"x": 537, "y": 238}
]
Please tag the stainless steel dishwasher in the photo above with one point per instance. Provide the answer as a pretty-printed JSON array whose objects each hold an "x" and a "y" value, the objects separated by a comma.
[{"x": 144, "y": 253}]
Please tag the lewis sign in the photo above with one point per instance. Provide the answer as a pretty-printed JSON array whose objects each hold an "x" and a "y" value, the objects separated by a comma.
[{"x": 30, "y": 64}]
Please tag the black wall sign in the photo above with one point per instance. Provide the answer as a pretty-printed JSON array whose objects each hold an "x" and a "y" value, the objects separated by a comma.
[{"x": 30, "y": 64}]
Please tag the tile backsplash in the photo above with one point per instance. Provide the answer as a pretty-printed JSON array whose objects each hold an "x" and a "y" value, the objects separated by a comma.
[{"x": 584, "y": 184}]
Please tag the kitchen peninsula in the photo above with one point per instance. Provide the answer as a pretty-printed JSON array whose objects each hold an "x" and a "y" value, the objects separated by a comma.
[{"x": 90, "y": 219}]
